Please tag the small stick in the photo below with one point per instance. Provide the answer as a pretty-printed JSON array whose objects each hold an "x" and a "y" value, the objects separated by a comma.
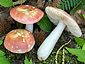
[
  {"x": 63, "y": 56},
  {"x": 59, "y": 50}
]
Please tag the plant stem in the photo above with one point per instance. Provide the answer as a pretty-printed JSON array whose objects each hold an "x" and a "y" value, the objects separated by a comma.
[
  {"x": 21, "y": 2},
  {"x": 63, "y": 56},
  {"x": 59, "y": 51}
]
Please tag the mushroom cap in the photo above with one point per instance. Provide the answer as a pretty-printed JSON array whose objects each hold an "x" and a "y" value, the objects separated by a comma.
[
  {"x": 55, "y": 15},
  {"x": 19, "y": 41},
  {"x": 26, "y": 14}
]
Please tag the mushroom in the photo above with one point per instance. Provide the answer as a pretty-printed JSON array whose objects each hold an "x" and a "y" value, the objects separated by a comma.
[
  {"x": 19, "y": 41},
  {"x": 26, "y": 14},
  {"x": 64, "y": 19}
]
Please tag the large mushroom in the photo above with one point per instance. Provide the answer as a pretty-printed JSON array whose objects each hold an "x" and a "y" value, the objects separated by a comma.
[
  {"x": 26, "y": 14},
  {"x": 61, "y": 19},
  {"x": 19, "y": 41}
]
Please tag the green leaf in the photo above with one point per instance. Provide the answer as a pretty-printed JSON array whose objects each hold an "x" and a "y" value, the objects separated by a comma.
[
  {"x": 2, "y": 53},
  {"x": 81, "y": 59},
  {"x": 62, "y": 5},
  {"x": 74, "y": 2},
  {"x": 20, "y": 24},
  {"x": 6, "y": 3},
  {"x": 77, "y": 7},
  {"x": 1, "y": 42},
  {"x": 68, "y": 4},
  {"x": 84, "y": 15},
  {"x": 79, "y": 53},
  {"x": 4, "y": 60},
  {"x": 45, "y": 24},
  {"x": 83, "y": 48},
  {"x": 79, "y": 41},
  {"x": 71, "y": 3},
  {"x": 31, "y": 61},
  {"x": 28, "y": 62},
  {"x": 79, "y": 0}
]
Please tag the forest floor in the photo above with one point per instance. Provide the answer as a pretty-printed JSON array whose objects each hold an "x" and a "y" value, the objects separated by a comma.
[{"x": 7, "y": 24}]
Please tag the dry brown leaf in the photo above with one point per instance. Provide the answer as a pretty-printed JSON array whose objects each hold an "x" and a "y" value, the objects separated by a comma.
[
  {"x": 39, "y": 36},
  {"x": 5, "y": 25},
  {"x": 5, "y": 20},
  {"x": 40, "y": 4},
  {"x": 56, "y": 3},
  {"x": 78, "y": 16}
]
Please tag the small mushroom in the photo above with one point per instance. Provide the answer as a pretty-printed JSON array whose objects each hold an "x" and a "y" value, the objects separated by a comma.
[
  {"x": 19, "y": 41},
  {"x": 64, "y": 19},
  {"x": 26, "y": 14}
]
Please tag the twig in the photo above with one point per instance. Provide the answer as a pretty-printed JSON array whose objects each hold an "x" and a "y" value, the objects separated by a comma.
[
  {"x": 63, "y": 56},
  {"x": 59, "y": 50}
]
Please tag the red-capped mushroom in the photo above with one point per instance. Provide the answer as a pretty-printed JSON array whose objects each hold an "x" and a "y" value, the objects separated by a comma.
[
  {"x": 26, "y": 14},
  {"x": 19, "y": 41}
]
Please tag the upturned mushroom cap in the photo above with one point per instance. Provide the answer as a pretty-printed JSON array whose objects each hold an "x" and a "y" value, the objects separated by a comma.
[
  {"x": 56, "y": 15},
  {"x": 19, "y": 41},
  {"x": 26, "y": 14}
]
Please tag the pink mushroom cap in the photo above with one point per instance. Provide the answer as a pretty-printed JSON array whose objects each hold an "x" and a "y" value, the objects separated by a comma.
[
  {"x": 19, "y": 41},
  {"x": 26, "y": 14}
]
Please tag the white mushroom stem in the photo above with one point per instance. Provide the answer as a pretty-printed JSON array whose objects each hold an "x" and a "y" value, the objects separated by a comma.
[
  {"x": 47, "y": 46},
  {"x": 29, "y": 27}
]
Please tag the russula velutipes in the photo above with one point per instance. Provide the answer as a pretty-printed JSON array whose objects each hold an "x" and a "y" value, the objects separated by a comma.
[
  {"x": 19, "y": 41},
  {"x": 61, "y": 19},
  {"x": 26, "y": 14}
]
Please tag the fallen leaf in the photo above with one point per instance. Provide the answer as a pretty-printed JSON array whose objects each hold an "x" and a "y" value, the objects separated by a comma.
[
  {"x": 39, "y": 36},
  {"x": 78, "y": 16}
]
